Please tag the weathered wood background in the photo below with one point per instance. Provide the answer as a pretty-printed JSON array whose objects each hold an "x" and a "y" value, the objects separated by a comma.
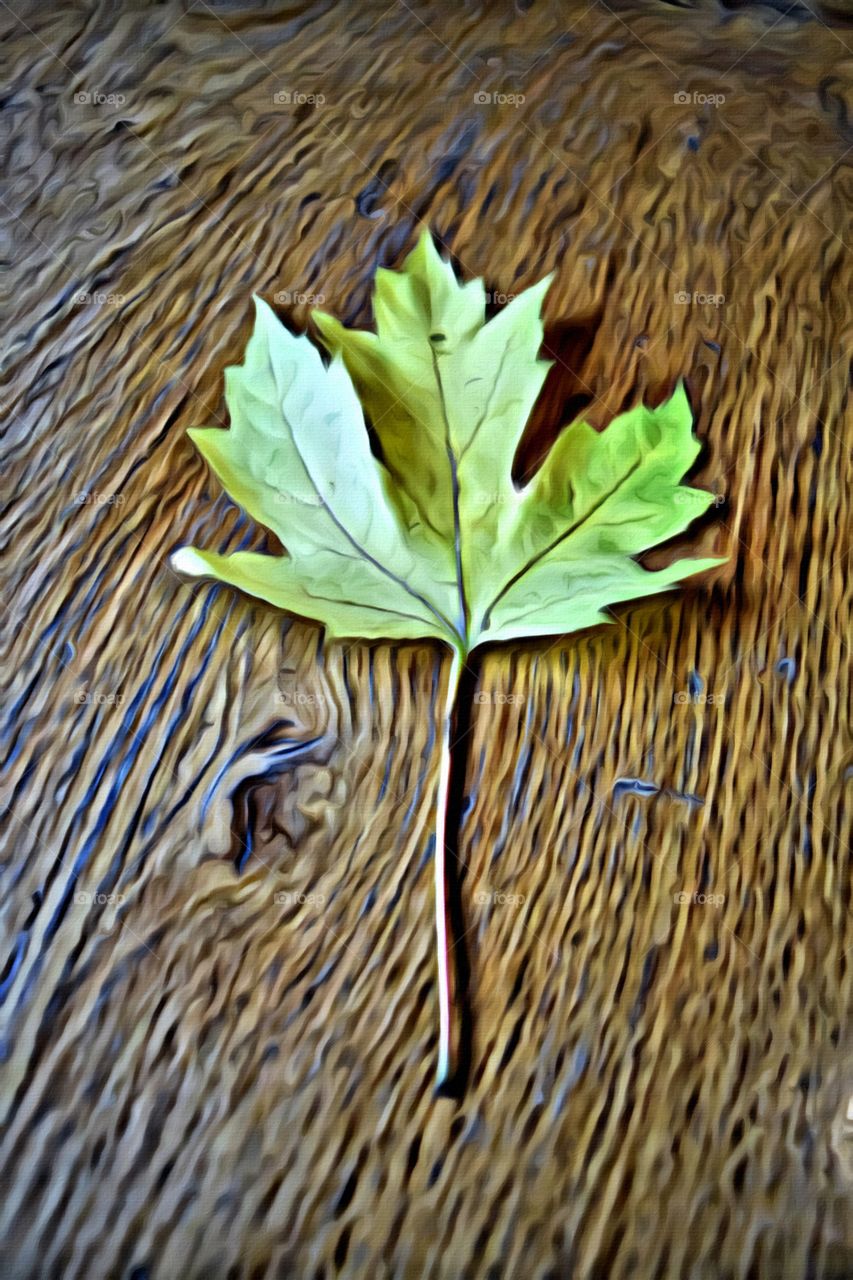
[{"x": 218, "y": 999}]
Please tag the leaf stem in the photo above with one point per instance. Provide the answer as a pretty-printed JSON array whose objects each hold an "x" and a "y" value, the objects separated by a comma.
[{"x": 449, "y": 1028}]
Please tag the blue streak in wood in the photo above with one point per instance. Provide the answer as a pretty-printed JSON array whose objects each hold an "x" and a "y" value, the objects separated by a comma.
[
  {"x": 634, "y": 786},
  {"x": 277, "y": 755},
  {"x": 114, "y": 870},
  {"x": 180, "y": 716},
  {"x": 17, "y": 959},
  {"x": 786, "y": 667},
  {"x": 577, "y": 1066},
  {"x": 384, "y": 784},
  {"x": 137, "y": 740}
]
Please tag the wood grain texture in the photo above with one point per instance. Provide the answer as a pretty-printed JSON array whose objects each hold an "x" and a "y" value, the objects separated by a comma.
[{"x": 218, "y": 1002}]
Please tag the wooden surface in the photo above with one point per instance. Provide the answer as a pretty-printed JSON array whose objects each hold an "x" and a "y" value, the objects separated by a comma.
[{"x": 218, "y": 1001}]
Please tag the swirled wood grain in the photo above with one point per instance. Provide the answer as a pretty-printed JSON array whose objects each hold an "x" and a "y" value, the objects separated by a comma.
[{"x": 218, "y": 1003}]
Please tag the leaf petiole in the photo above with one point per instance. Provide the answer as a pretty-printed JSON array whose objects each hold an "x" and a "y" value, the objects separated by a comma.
[{"x": 449, "y": 1013}]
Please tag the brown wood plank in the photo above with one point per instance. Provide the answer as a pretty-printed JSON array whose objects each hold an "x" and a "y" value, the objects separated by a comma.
[{"x": 218, "y": 1004}]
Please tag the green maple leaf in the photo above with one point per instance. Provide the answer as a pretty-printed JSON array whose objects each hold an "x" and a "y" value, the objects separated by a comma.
[{"x": 436, "y": 540}]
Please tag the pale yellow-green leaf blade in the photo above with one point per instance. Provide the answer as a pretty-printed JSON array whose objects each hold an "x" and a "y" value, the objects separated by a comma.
[
  {"x": 557, "y": 597},
  {"x": 360, "y": 604}
]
